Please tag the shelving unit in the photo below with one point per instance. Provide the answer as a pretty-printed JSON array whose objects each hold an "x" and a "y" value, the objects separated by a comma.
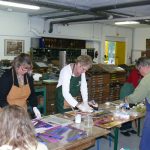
[
  {"x": 50, "y": 48},
  {"x": 104, "y": 82}
]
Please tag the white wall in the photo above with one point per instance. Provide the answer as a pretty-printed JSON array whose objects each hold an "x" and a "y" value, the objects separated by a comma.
[
  {"x": 20, "y": 26},
  {"x": 13, "y": 26},
  {"x": 139, "y": 42}
]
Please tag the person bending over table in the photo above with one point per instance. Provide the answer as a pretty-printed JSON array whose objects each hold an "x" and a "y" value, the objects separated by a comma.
[
  {"x": 127, "y": 89},
  {"x": 72, "y": 81},
  {"x": 16, "y": 85},
  {"x": 17, "y": 131},
  {"x": 142, "y": 92}
]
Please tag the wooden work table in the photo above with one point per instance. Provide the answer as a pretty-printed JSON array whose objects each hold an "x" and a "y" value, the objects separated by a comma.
[
  {"x": 111, "y": 107},
  {"x": 116, "y": 123},
  {"x": 90, "y": 137}
]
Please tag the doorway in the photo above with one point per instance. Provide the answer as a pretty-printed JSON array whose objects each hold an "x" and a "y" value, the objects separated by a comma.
[{"x": 114, "y": 52}]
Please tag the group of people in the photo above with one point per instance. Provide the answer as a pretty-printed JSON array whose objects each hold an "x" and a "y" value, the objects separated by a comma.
[
  {"x": 17, "y": 94},
  {"x": 74, "y": 83},
  {"x": 18, "y": 101}
]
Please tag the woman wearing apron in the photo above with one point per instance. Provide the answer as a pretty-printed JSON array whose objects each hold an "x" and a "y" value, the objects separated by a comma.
[
  {"x": 71, "y": 82},
  {"x": 16, "y": 85},
  {"x": 142, "y": 92}
]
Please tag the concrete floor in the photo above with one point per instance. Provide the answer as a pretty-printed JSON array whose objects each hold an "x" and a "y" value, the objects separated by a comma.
[{"x": 128, "y": 143}]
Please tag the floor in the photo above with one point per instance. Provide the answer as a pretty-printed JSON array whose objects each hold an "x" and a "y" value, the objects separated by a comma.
[{"x": 128, "y": 143}]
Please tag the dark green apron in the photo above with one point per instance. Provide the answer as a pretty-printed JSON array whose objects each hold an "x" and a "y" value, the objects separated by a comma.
[{"x": 75, "y": 83}]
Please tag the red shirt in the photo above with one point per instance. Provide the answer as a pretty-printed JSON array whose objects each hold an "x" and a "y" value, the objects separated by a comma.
[{"x": 134, "y": 77}]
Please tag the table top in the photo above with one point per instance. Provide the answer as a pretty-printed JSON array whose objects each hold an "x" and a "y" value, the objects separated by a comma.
[
  {"x": 93, "y": 132},
  {"x": 105, "y": 118}
]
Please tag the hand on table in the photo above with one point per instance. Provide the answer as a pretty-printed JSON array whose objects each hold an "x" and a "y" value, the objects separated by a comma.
[{"x": 84, "y": 107}]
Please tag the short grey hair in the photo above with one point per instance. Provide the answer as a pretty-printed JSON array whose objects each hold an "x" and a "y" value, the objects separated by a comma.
[
  {"x": 85, "y": 60},
  {"x": 143, "y": 61},
  {"x": 22, "y": 59}
]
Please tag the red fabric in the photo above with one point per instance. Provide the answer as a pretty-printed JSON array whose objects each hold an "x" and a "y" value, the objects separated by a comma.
[{"x": 134, "y": 77}]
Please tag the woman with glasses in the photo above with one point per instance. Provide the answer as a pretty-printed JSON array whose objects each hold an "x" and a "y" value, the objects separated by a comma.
[
  {"x": 16, "y": 85},
  {"x": 71, "y": 82}
]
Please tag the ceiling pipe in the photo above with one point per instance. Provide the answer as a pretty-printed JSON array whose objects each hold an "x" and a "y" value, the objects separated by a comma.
[
  {"x": 121, "y": 5},
  {"x": 50, "y": 27},
  {"x": 78, "y": 20},
  {"x": 72, "y": 20},
  {"x": 124, "y": 19},
  {"x": 118, "y": 14},
  {"x": 62, "y": 16}
]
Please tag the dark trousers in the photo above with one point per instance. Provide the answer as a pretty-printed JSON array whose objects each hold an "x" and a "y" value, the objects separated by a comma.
[{"x": 126, "y": 126}]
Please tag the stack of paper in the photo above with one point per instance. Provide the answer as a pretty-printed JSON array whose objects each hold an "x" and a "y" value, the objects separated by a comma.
[{"x": 57, "y": 120}]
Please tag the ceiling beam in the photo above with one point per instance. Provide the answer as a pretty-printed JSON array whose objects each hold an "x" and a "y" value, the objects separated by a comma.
[
  {"x": 53, "y": 5},
  {"x": 121, "y": 5},
  {"x": 45, "y": 13},
  {"x": 99, "y": 13}
]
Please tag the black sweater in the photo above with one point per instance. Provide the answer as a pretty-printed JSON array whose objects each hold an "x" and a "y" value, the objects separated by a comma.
[{"x": 6, "y": 82}]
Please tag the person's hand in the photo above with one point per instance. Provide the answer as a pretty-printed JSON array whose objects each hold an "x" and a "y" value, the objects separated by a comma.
[
  {"x": 92, "y": 103},
  {"x": 37, "y": 112},
  {"x": 84, "y": 107},
  {"x": 126, "y": 100},
  {"x": 88, "y": 108}
]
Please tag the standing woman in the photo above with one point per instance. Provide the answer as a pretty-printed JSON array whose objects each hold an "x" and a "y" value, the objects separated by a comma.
[
  {"x": 71, "y": 82},
  {"x": 16, "y": 85}
]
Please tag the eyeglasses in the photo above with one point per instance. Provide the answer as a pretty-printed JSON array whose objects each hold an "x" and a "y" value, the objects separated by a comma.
[
  {"x": 84, "y": 68},
  {"x": 26, "y": 68}
]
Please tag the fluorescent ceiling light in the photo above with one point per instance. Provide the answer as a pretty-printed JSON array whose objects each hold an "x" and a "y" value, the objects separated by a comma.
[
  {"x": 19, "y": 5},
  {"x": 126, "y": 22}
]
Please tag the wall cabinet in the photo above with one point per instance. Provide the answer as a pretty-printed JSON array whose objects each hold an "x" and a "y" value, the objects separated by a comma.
[
  {"x": 45, "y": 93},
  {"x": 51, "y": 47},
  {"x": 50, "y": 94},
  {"x": 41, "y": 97}
]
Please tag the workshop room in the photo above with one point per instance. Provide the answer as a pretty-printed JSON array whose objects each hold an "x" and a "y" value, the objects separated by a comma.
[{"x": 74, "y": 74}]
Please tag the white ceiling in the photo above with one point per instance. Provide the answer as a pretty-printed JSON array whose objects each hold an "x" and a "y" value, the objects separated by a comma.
[{"x": 79, "y": 11}]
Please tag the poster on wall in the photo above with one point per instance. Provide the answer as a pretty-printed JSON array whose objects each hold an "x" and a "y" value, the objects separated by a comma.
[{"x": 13, "y": 47}]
